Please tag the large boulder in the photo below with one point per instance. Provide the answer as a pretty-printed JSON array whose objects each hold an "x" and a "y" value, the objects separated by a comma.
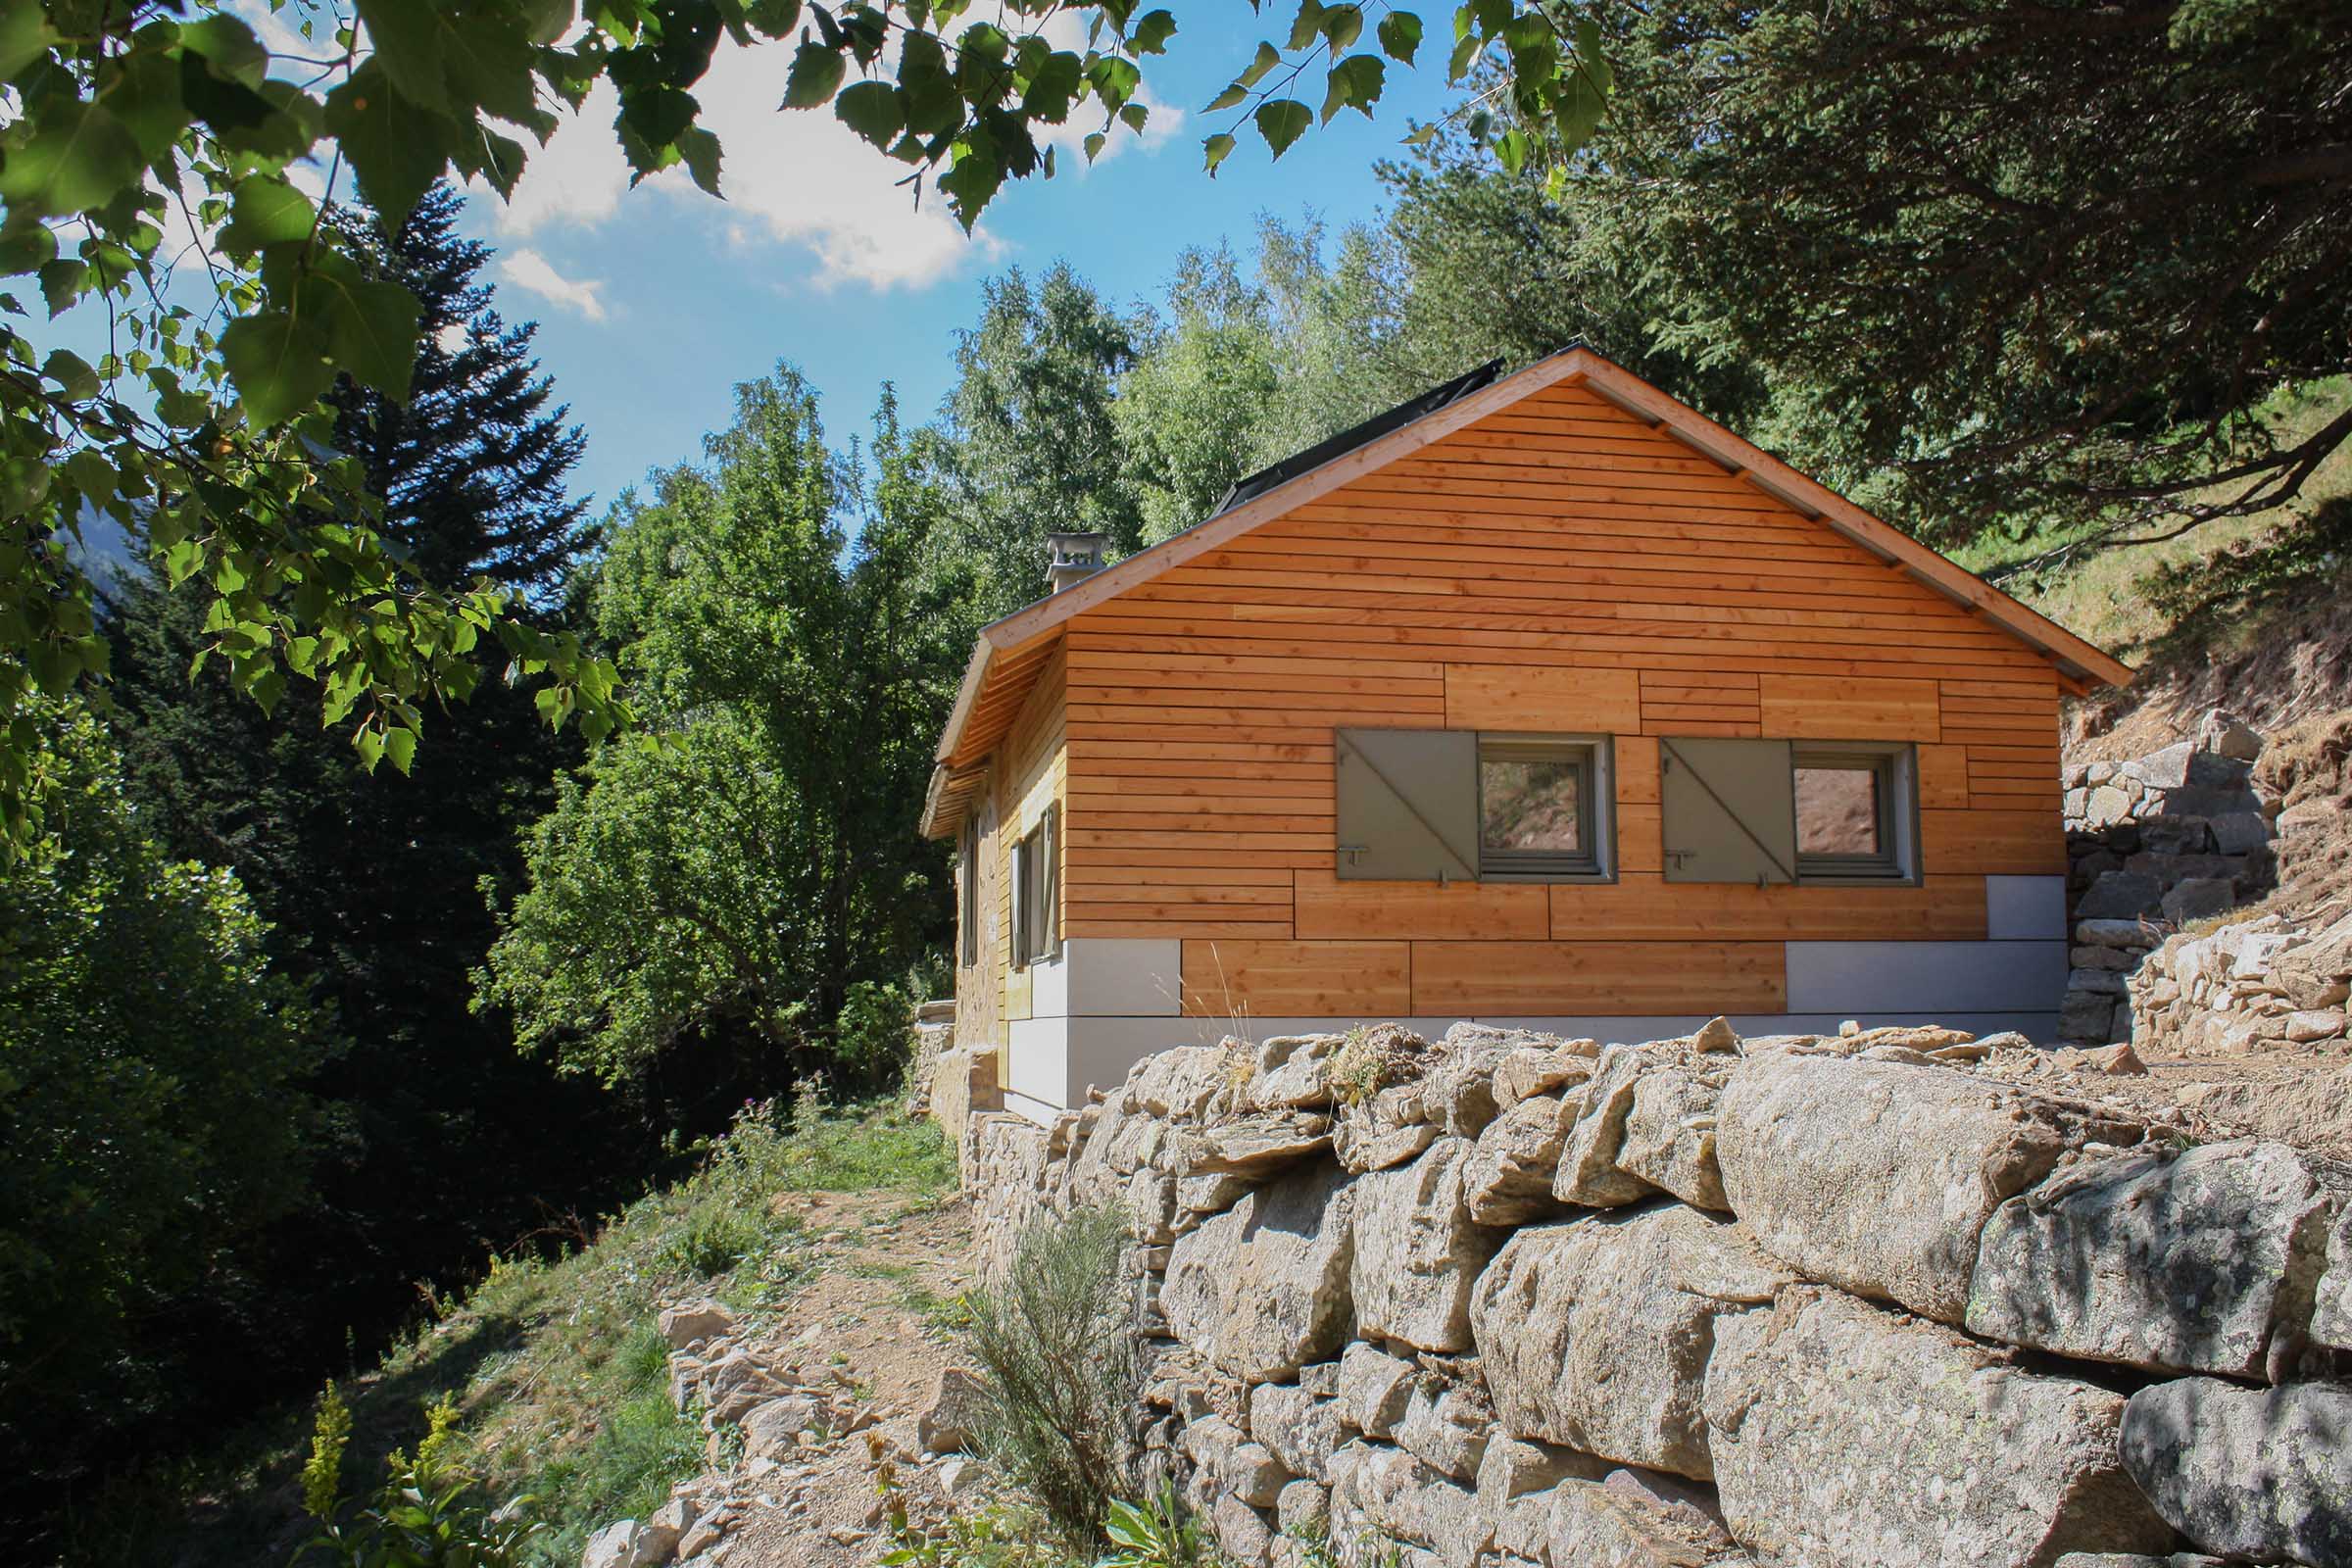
[
  {"x": 1376, "y": 1491},
  {"x": 1251, "y": 1147},
  {"x": 1262, "y": 1289},
  {"x": 1515, "y": 1478},
  {"x": 2332, "y": 1307},
  {"x": 1375, "y": 1390},
  {"x": 1447, "y": 1428},
  {"x": 1878, "y": 1176},
  {"x": 2251, "y": 1474},
  {"x": 2174, "y": 1261},
  {"x": 1418, "y": 1251},
  {"x": 1630, "y": 1521},
  {"x": 1670, "y": 1128},
  {"x": 1587, "y": 1174},
  {"x": 1508, "y": 1181},
  {"x": 1587, "y": 1343},
  {"x": 1846, "y": 1435}
]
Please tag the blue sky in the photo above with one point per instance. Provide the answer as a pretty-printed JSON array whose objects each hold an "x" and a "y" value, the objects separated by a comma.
[{"x": 655, "y": 302}]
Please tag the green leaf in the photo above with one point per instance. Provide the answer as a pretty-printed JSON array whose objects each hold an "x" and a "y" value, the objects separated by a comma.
[
  {"x": 816, "y": 76},
  {"x": 1355, "y": 84},
  {"x": 72, "y": 374},
  {"x": 1217, "y": 148},
  {"x": 278, "y": 363},
  {"x": 1266, "y": 59},
  {"x": 266, "y": 211},
  {"x": 372, "y": 328},
  {"x": 1051, "y": 92},
  {"x": 1512, "y": 148},
  {"x": 1095, "y": 142},
  {"x": 229, "y": 47},
  {"x": 972, "y": 183},
  {"x": 1151, "y": 31},
  {"x": 1308, "y": 25},
  {"x": 1114, "y": 80},
  {"x": 1342, "y": 24},
  {"x": 77, "y": 157},
  {"x": 407, "y": 36},
  {"x": 400, "y": 745},
  {"x": 1465, "y": 50},
  {"x": 63, "y": 282},
  {"x": 1282, "y": 122},
  {"x": 1135, "y": 117},
  {"x": 1227, "y": 99},
  {"x": 395, "y": 149},
  {"x": 24, "y": 37},
  {"x": 27, "y": 249},
  {"x": 370, "y": 743},
  {"x": 774, "y": 18},
  {"x": 1400, "y": 37},
  {"x": 698, "y": 145},
  {"x": 872, "y": 110}
]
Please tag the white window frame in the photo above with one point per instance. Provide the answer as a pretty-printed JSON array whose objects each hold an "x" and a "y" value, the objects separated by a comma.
[{"x": 1598, "y": 807}]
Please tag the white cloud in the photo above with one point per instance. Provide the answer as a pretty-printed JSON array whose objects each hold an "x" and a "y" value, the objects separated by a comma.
[
  {"x": 795, "y": 179},
  {"x": 526, "y": 268}
]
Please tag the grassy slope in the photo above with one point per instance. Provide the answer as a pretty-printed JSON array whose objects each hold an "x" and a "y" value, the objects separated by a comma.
[
  {"x": 2103, "y": 596},
  {"x": 557, "y": 1364}
]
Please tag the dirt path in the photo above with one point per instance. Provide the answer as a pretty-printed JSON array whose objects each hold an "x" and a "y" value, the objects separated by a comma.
[{"x": 873, "y": 1322}]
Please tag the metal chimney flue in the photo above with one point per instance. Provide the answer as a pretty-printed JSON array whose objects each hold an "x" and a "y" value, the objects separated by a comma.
[{"x": 1075, "y": 557}]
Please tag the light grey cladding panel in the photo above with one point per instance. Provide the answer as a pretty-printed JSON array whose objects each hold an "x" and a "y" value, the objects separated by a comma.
[
  {"x": 2020, "y": 907},
  {"x": 1925, "y": 978},
  {"x": 1728, "y": 810},
  {"x": 1407, "y": 806}
]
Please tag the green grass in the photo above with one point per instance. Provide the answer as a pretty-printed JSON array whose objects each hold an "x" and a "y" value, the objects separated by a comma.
[{"x": 557, "y": 1363}]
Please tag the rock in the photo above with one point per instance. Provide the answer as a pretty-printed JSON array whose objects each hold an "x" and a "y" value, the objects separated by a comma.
[
  {"x": 2225, "y": 734},
  {"x": 1252, "y": 1473},
  {"x": 1252, "y": 1147},
  {"x": 705, "y": 1319},
  {"x": 2247, "y": 1473},
  {"x": 1447, "y": 1429},
  {"x": 2138, "y": 1559},
  {"x": 657, "y": 1540},
  {"x": 2241, "y": 832},
  {"x": 1586, "y": 1342},
  {"x": 2332, "y": 1302},
  {"x": 1363, "y": 1148},
  {"x": 1298, "y": 1428},
  {"x": 706, "y": 1533},
  {"x": 2121, "y": 896},
  {"x": 952, "y": 1413},
  {"x": 1212, "y": 1194},
  {"x": 1589, "y": 1175},
  {"x": 2122, "y": 933},
  {"x": 1242, "y": 1533},
  {"x": 1846, "y": 1435},
  {"x": 1669, "y": 1136},
  {"x": 1625, "y": 1522},
  {"x": 1515, "y": 1478},
  {"x": 2314, "y": 1024},
  {"x": 1508, "y": 1179},
  {"x": 1375, "y": 1387},
  {"x": 955, "y": 1477},
  {"x": 775, "y": 1428},
  {"x": 2197, "y": 898},
  {"x": 1262, "y": 1289},
  {"x": 1417, "y": 1251},
  {"x": 1459, "y": 1090},
  {"x": 1377, "y": 1487},
  {"x": 1182, "y": 1084},
  {"x": 1878, "y": 1177},
  {"x": 1532, "y": 1070},
  {"x": 1301, "y": 1509},
  {"x": 614, "y": 1547},
  {"x": 2173, "y": 1263}
]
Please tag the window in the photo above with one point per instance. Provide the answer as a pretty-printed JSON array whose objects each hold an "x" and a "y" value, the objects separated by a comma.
[
  {"x": 1539, "y": 807},
  {"x": 968, "y": 913},
  {"x": 1853, "y": 812},
  {"x": 1036, "y": 891}
]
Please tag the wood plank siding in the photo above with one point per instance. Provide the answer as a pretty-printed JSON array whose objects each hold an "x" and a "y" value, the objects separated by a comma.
[
  {"x": 1560, "y": 565},
  {"x": 1027, "y": 774}
]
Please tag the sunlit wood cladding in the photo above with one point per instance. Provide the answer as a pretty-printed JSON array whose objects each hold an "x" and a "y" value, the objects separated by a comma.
[
  {"x": 1236, "y": 979},
  {"x": 1645, "y": 906},
  {"x": 1528, "y": 978},
  {"x": 1562, "y": 699},
  {"x": 1701, "y": 703},
  {"x": 1809, "y": 708},
  {"x": 1996, "y": 842},
  {"x": 1943, "y": 776},
  {"x": 1637, "y": 770},
  {"x": 1328, "y": 907}
]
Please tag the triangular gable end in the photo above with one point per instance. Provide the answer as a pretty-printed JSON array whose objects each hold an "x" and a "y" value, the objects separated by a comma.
[{"x": 1007, "y": 654}]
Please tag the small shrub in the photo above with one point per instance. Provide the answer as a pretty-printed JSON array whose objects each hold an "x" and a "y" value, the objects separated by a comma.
[
  {"x": 322, "y": 1473},
  {"x": 1159, "y": 1533},
  {"x": 430, "y": 1514},
  {"x": 716, "y": 1237},
  {"x": 1056, "y": 1342}
]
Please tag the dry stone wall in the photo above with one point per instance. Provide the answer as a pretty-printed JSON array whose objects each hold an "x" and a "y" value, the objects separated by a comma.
[{"x": 1836, "y": 1302}]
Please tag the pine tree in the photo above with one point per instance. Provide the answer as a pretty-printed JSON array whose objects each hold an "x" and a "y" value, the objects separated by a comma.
[{"x": 374, "y": 883}]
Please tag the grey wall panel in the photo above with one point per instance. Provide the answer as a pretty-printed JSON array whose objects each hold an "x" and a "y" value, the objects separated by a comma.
[{"x": 1926, "y": 978}]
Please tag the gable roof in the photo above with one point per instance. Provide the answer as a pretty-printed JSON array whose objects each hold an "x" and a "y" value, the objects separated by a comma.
[{"x": 1009, "y": 651}]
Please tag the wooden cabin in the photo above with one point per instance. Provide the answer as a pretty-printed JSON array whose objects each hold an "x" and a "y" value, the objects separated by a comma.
[{"x": 1542, "y": 700}]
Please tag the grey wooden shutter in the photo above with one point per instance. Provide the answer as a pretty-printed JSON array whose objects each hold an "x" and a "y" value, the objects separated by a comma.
[
  {"x": 1023, "y": 874},
  {"x": 1407, "y": 805},
  {"x": 1729, "y": 810},
  {"x": 1049, "y": 897}
]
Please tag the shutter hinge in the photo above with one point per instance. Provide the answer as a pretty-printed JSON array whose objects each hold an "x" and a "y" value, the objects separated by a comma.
[{"x": 1354, "y": 852}]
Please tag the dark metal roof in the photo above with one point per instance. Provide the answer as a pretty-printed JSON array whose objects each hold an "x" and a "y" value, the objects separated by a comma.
[{"x": 1347, "y": 440}]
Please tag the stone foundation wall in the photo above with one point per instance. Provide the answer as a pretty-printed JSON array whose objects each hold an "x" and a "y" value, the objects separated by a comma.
[
  {"x": 1834, "y": 1303},
  {"x": 2155, "y": 842},
  {"x": 2242, "y": 988}
]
